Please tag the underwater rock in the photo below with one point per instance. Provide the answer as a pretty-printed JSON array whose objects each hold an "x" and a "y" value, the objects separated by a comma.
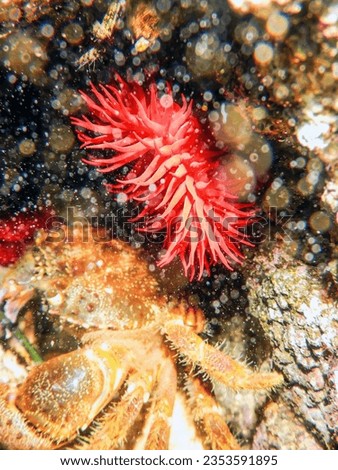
[
  {"x": 297, "y": 307},
  {"x": 281, "y": 429}
]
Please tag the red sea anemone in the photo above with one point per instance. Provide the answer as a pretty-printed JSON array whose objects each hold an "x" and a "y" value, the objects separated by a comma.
[
  {"x": 173, "y": 172},
  {"x": 16, "y": 232}
]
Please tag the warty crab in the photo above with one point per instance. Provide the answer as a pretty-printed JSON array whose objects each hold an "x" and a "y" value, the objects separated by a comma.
[{"x": 123, "y": 376}]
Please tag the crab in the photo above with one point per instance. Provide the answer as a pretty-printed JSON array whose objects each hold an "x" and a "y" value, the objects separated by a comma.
[{"x": 117, "y": 389}]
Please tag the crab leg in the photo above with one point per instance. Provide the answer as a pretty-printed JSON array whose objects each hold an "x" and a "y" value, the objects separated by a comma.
[
  {"x": 208, "y": 416},
  {"x": 112, "y": 431},
  {"x": 162, "y": 407},
  {"x": 215, "y": 363}
]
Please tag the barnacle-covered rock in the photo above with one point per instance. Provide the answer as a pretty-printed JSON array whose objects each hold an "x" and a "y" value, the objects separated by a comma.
[
  {"x": 280, "y": 429},
  {"x": 297, "y": 307}
]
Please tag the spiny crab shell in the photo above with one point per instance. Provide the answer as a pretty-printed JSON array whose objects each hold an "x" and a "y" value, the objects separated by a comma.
[{"x": 123, "y": 376}]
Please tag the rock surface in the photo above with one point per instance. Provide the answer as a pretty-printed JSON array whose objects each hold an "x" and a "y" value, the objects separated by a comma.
[
  {"x": 280, "y": 429},
  {"x": 297, "y": 308}
]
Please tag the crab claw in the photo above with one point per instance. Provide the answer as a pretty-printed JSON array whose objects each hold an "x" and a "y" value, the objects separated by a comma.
[{"x": 49, "y": 398}]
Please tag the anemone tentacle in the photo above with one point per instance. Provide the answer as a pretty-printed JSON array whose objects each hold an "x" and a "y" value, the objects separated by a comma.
[{"x": 174, "y": 173}]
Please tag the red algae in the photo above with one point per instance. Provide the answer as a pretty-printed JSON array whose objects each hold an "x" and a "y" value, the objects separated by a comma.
[{"x": 174, "y": 172}]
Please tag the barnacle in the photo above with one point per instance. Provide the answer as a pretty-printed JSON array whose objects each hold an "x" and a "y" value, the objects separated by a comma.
[{"x": 142, "y": 20}]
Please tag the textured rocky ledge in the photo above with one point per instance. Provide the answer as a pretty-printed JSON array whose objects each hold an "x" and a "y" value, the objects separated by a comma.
[{"x": 297, "y": 308}]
